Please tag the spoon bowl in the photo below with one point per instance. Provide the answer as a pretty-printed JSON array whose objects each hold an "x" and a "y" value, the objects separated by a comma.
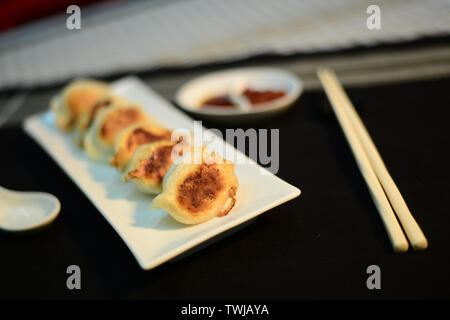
[{"x": 21, "y": 211}]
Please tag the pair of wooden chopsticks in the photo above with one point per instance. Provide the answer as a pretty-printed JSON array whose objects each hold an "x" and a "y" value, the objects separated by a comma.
[{"x": 384, "y": 192}]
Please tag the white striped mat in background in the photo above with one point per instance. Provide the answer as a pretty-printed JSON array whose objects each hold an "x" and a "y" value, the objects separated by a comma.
[{"x": 144, "y": 35}]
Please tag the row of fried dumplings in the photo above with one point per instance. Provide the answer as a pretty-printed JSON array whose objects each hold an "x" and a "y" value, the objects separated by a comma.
[{"x": 192, "y": 185}]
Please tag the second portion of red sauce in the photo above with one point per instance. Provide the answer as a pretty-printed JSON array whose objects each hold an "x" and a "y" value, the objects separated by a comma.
[{"x": 257, "y": 97}]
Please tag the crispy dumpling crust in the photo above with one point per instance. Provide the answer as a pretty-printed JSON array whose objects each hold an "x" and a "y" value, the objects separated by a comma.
[
  {"x": 99, "y": 141},
  {"x": 86, "y": 119},
  {"x": 150, "y": 164},
  {"x": 196, "y": 191},
  {"x": 75, "y": 99},
  {"x": 133, "y": 137}
]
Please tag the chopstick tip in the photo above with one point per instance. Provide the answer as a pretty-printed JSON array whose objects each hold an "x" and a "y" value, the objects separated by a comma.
[
  {"x": 401, "y": 247},
  {"x": 420, "y": 245}
]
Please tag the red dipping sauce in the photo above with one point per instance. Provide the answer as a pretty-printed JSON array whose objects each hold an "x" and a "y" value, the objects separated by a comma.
[
  {"x": 258, "y": 97},
  {"x": 219, "y": 101},
  {"x": 255, "y": 97}
]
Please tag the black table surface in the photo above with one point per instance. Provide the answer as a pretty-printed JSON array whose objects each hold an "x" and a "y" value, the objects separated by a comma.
[{"x": 316, "y": 246}]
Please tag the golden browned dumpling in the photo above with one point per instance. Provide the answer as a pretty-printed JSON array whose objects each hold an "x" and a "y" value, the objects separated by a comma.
[
  {"x": 149, "y": 165},
  {"x": 129, "y": 139},
  {"x": 86, "y": 118},
  {"x": 197, "y": 188},
  {"x": 99, "y": 140},
  {"x": 76, "y": 98}
]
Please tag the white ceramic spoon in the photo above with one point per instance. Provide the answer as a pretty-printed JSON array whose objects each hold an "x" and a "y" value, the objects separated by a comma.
[{"x": 20, "y": 211}]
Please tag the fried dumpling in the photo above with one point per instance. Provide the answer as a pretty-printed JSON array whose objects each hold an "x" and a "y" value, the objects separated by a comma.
[
  {"x": 198, "y": 187},
  {"x": 87, "y": 117},
  {"x": 99, "y": 140},
  {"x": 129, "y": 139},
  {"x": 76, "y": 98},
  {"x": 149, "y": 165}
]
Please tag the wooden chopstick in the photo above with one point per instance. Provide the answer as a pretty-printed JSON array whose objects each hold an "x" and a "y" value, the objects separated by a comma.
[
  {"x": 395, "y": 233},
  {"x": 412, "y": 229}
]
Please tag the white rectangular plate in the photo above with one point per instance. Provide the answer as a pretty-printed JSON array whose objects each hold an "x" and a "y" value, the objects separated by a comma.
[{"x": 152, "y": 235}]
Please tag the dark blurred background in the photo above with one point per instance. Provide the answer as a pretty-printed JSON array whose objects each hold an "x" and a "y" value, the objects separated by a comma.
[
  {"x": 316, "y": 246},
  {"x": 169, "y": 42}
]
